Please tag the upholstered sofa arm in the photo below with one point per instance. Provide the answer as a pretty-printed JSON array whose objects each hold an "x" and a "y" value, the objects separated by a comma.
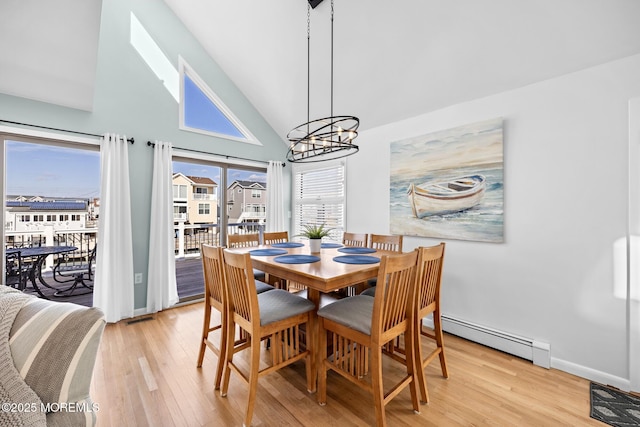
[{"x": 54, "y": 347}]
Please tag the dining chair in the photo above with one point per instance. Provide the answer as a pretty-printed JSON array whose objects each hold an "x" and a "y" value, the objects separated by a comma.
[
  {"x": 428, "y": 284},
  {"x": 429, "y": 280},
  {"x": 214, "y": 298},
  {"x": 276, "y": 315},
  {"x": 362, "y": 326},
  {"x": 247, "y": 241},
  {"x": 382, "y": 242},
  {"x": 271, "y": 237},
  {"x": 243, "y": 240},
  {"x": 354, "y": 239}
]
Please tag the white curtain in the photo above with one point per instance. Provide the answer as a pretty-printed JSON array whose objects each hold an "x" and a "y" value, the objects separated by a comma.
[
  {"x": 276, "y": 211},
  {"x": 162, "y": 291},
  {"x": 113, "y": 285}
]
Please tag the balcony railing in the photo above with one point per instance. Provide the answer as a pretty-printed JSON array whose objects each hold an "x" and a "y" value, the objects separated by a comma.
[
  {"x": 189, "y": 237},
  {"x": 203, "y": 196},
  {"x": 83, "y": 239}
]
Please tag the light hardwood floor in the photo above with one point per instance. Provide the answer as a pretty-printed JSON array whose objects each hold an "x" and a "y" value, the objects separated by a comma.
[{"x": 146, "y": 375}]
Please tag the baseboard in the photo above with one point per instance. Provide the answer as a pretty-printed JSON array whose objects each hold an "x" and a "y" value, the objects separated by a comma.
[
  {"x": 591, "y": 374},
  {"x": 526, "y": 348}
]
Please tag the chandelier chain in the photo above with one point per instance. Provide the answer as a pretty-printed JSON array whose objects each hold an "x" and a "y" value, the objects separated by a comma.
[
  {"x": 308, "y": 62},
  {"x": 326, "y": 138},
  {"x": 331, "y": 58}
]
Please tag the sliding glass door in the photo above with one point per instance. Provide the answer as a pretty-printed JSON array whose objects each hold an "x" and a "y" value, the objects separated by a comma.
[
  {"x": 51, "y": 197},
  {"x": 211, "y": 200}
]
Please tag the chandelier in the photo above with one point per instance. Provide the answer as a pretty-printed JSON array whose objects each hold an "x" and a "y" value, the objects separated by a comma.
[{"x": 327, "y": 138}]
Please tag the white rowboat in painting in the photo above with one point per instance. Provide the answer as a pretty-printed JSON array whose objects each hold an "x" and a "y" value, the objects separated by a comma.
[{"x": 443, "y": 197}]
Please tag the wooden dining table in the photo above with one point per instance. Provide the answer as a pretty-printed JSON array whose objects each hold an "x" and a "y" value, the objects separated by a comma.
[{"x": 323, "y": 276}]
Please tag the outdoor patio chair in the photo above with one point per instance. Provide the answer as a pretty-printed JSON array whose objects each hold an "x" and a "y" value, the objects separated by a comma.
[{"x": 65, "y": 272}]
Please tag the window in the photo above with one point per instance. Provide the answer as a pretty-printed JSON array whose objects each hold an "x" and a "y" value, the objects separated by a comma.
[
  {"x": 75, "y": 217},
  {"x": 204, "y": 208},
  {"x": 179, "y": 191},
  {"x": 256, "y": 194},
  {"x": 38, "y": 218},
  {"x": 64, "y": 217},
  {"x": 24, "y": 218},
  {"x": 51, "y": 218},
  {"x": 202, "y": 111},
  {"x": 319, "y": 197},
  {"x": 239, "y": 190}
]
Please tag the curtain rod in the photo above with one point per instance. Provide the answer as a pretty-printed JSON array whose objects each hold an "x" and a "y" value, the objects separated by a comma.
[
  {"x": 153, "y": 144},
  {"x": 131, "y": 140}
]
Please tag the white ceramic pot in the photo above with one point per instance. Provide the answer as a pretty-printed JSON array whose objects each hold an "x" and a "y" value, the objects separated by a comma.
[{"x": 314, "y": 245}]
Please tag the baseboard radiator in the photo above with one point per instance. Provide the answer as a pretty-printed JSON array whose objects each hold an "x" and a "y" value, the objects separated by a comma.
[{"x": 525, "y": 348}]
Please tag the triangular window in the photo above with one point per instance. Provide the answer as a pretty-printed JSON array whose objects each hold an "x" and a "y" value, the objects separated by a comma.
[{"x": 202, "y": 111}]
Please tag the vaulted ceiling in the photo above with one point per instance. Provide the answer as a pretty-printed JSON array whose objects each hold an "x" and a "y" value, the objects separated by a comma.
[{"x": 392, "y": 60}]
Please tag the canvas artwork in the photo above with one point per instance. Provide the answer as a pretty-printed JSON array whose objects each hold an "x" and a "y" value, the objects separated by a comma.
[{"x": 449, "y": 184}]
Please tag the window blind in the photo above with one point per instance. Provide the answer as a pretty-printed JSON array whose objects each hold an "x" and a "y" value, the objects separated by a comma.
[{"x": 319, "y": 197}]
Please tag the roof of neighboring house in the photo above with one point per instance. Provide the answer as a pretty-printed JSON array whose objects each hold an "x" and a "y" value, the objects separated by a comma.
[
  {"x": 200, "y": 180},
  {"x": 48, "y": 206},
  {"x": 248, "y": 184}
]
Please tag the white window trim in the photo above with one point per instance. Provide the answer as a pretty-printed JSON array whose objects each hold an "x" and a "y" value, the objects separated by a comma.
[{"x": 185, "y": 68}]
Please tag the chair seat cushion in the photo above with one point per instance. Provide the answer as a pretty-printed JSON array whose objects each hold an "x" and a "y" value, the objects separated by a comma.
[
  {"x": 354, "y": 312},
  {"x": 325, "y": 299},
  {"x": 370, "y": 292},
  {"x": 259, "y": 275},
  {"x": 263, "y": 287},
  {"x": 278, "y": 304}
]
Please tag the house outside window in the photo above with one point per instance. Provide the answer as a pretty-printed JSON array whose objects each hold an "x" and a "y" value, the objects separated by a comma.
[
  {"x": 204, "y": 209},
  {"x": 179, "y": 191}
]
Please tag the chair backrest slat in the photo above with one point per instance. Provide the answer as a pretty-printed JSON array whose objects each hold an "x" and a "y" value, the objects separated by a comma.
[
  {"x": 354, "y": 239},
  {"x": 429, "y": 277},
  {"x": 386, "y": 243},
  {"x": 393, "y": 304},
  {"x": 213, "y": 271},
  {"x": 243, "y": 240},
  {"x": 275, "y": 237},
  {"x": 243, "y": 298}
]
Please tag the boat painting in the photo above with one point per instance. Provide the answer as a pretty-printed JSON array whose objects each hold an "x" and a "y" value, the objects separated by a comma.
[{"x": 445, "y": 197}]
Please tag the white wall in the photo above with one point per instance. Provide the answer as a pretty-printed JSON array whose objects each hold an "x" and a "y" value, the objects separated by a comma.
[{"x": 566, "y": 192}]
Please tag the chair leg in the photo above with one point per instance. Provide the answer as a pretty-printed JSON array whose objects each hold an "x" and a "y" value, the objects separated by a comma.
[
  {"x": 410, "y": 360},
  {"x": 228, "y": 359},
  {"x": 378, "y": 386},
  {"x": 437, "y": 323},
  {"x": 422, "y": 379},
  {"x": 222, "y": 354},
  {"x": 322, "y": 369},
  {"x": 253, "y": 380},
  {"x": 205, "y": 332}
]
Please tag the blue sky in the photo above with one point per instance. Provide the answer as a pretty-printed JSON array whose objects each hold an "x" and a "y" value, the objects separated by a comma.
[{"x": 50, "y": 171}]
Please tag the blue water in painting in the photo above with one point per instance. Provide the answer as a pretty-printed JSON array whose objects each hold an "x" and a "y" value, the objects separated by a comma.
[{"x": 483, "y": 222}]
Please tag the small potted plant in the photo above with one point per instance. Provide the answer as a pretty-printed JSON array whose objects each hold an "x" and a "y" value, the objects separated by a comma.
[{"x": 315, "y": 233}]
